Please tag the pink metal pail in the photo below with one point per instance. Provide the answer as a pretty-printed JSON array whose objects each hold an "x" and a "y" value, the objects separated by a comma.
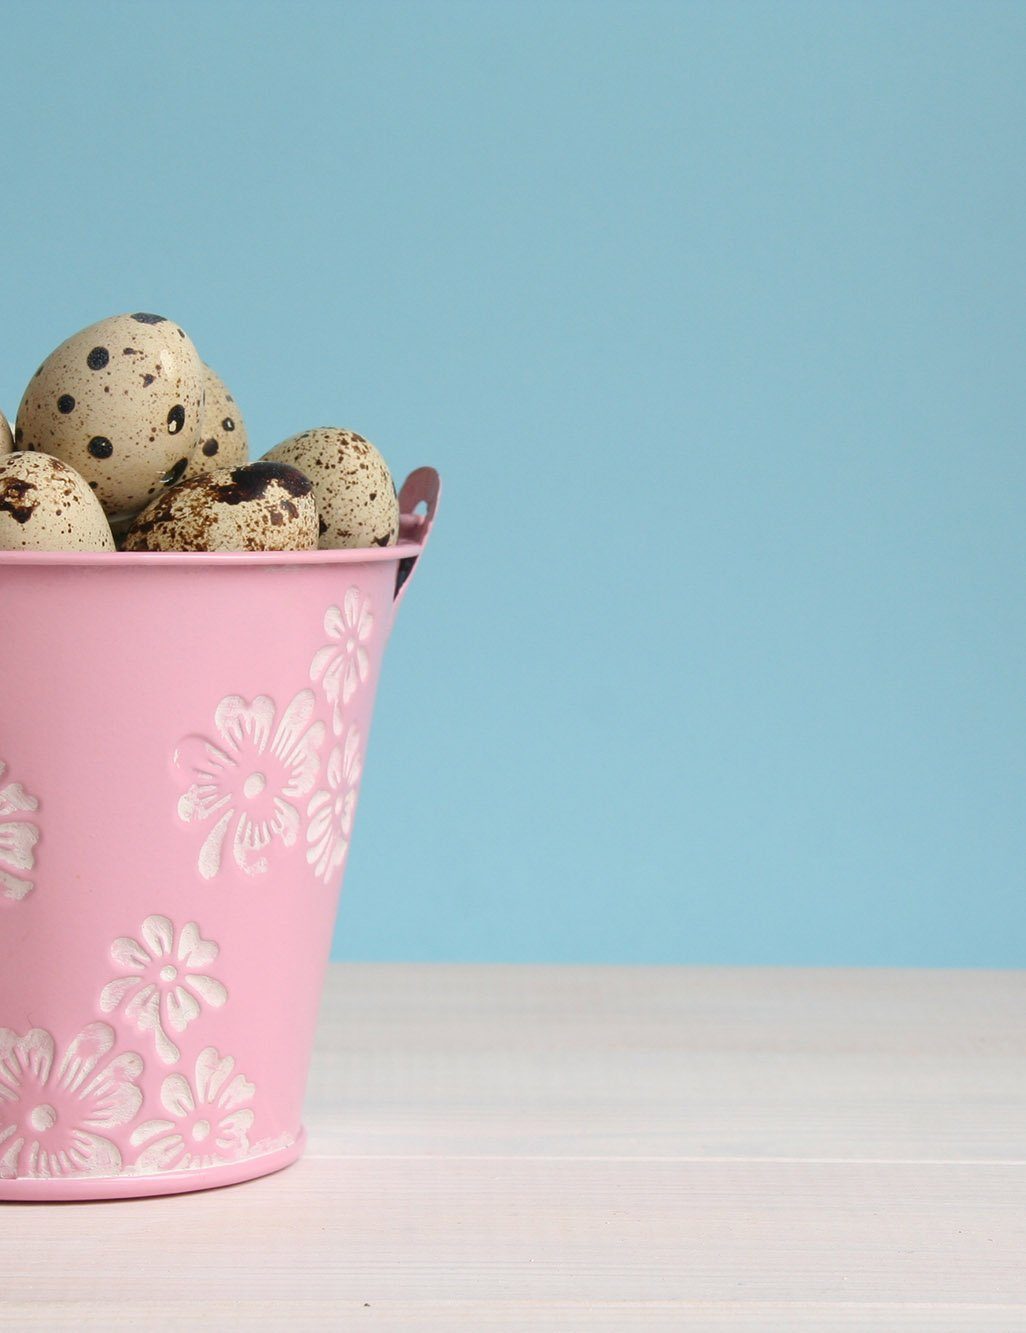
[{"x": 182, "y": 741}]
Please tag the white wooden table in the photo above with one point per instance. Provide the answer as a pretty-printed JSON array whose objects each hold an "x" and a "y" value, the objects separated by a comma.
[{"x": 610, "y": 1148}]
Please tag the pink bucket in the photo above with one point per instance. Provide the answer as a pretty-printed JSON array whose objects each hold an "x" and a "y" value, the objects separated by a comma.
[{"x": 182, "y": 740}]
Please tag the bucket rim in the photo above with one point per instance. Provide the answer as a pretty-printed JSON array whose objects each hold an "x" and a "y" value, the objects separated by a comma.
[{"x": 357, "y": 555}]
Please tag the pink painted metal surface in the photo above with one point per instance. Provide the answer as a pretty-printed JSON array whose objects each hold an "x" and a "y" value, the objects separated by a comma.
[{"x": 182, "y": 742}]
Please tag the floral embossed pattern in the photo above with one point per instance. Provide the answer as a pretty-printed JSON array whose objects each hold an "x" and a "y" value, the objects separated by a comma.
[
  {"x": 168, "y": 984},
  {"x": 18, "y": 838},
  {"x": 58, "y": 1125},
  {"x": 343, "y": 665},
  {"x": 210, "y": 1119},
  {"x": 248, "y": 780},
  {"x": 331, "y": 812},
  {"x": 65, "y": 1122}
]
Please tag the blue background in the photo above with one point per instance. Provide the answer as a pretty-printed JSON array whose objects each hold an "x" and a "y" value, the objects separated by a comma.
[{"x": 711, "y": 315}]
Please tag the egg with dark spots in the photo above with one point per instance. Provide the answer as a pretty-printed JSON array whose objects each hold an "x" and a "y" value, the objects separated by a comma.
[
  {"x": 46, "y": 506},
  {"x": 257, "y": 507},
  {"x": 6, "y": 436},
  {"x": 356, "y": 498},
  {"x": 224, "y": 441},
  {"x": 120, "y": 402}
]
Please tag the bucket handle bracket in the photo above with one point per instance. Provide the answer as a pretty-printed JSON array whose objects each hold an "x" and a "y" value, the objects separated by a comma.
[{"x": 418, "y": 501}]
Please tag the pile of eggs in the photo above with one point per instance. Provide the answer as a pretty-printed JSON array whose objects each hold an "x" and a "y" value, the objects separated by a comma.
[{"x": 125, "y": 440}]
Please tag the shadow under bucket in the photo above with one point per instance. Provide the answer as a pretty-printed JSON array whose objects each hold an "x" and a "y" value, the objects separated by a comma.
[{"x": 182, "y": 739}]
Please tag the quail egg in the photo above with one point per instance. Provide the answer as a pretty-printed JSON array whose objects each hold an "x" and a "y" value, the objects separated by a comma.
[
  {"x": 6, "y": 438},
  {"x": 223, "y": 438},
  {"x": 46, "y": 506},
  {"x": 120, "y": 401},
  {"x": 259, "y": 507},
  {"x": 356, "y": 497}
]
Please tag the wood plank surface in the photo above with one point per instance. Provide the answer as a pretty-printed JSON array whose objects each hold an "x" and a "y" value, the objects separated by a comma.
[
  {"x": 720, "y": 1062},
  {"x": 521, "y": 1316},
  {"x": 609, "y": 1148}
]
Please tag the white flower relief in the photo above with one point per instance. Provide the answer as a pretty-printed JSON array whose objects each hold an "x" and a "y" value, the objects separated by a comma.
[
  {"x": 342, "y": 666},
  {"x": 249, "y": 779},
  {"x": 18, "y": 838},
  {"x": 168, "y": 985},
  {"x": 57, "y": 1126},
  {"x": 209, "y": 1121},
  {"x": 331, "y": 812}
]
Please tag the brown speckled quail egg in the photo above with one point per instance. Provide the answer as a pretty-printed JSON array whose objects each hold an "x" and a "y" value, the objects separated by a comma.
[
  {"x": 6, "y": 437},
  {"x": 120, "y": 402},
  {"x": 46, "y": 506},
  {"x": 258, "y": 507},
  {"x": 356, "y": 497},
  {"x": 224, "y": 441}
]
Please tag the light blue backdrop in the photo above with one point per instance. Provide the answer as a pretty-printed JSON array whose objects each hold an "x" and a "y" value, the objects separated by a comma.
[{"x": 712, "y": 316}]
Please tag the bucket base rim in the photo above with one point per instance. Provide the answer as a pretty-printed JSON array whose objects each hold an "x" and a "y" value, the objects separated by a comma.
[{"x": 60, "y": 1189}]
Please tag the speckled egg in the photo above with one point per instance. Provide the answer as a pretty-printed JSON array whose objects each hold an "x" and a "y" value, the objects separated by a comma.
[
  {"x": 224, "y": 441},
  {"x": 356, "y": 497},
  {"x": 46, "y": 506},
  {"x": 259, "y": 507},
  {"x": 120, "y": 402}
]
